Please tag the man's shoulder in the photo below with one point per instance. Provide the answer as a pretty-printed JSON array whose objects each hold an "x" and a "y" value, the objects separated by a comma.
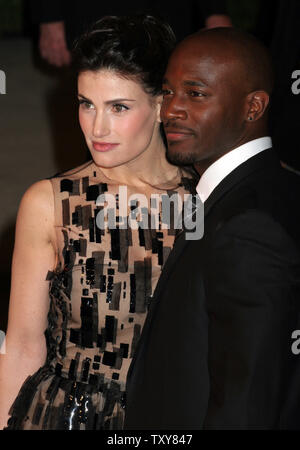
[
  {"x": 256, "y": 228},
  {"x": 290, "y": 178},
  {"x": 275, "y": 180},
  {"x": 248, "y": 220},
  {"x": 271, "y": 195}
]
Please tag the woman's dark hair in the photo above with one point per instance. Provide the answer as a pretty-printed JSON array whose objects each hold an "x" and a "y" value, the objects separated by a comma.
[{"x": 132, "y": 46}]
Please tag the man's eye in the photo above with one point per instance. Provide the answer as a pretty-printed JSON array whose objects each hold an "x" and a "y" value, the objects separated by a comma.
[
  {"x": 196, "y": 94},
  {"x": 85, "y": 104},
  {"x": 118, "y": 107}
]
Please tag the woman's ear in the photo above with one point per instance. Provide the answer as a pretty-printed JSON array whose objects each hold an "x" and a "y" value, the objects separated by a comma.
[{"x": 159, "y": 100}]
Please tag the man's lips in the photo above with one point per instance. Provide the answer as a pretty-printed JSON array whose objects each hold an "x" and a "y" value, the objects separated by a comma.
[
  {"x": 103, "y": 146},
  {"x": 175, "y": 135}
]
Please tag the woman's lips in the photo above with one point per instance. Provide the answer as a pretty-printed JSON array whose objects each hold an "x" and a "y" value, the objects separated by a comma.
[{"x": 103, "y": 146}]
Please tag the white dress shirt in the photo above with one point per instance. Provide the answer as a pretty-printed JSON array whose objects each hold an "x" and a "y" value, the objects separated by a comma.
[{"x": 217, "y": 171}]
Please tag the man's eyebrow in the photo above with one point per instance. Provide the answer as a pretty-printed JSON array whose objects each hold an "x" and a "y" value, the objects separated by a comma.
[
  {"x": 109, "y": 102},
  {"x": 188, "y": 83},
  {"x": 194, "y": 83}
]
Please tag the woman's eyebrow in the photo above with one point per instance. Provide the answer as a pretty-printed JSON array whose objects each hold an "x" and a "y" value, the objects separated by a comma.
[
  {"x": 116, "y": 100},
  {"x": 84, "y": 98},
  {"x": 109, "y": 102}
]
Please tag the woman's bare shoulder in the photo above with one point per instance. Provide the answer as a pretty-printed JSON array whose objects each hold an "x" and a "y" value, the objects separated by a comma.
[
  {"x": 39, "y": 195},
  {"x": 36, "y": 209}
]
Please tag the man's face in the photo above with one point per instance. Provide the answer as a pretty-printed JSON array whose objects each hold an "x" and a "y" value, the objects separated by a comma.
[{"x": 204, "y": 105}]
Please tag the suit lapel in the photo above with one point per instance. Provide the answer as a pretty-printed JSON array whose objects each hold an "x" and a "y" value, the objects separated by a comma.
[{"x": 173, "y": 258}]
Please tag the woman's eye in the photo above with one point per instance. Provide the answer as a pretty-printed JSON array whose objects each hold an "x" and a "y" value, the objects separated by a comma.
[
  {"x": 85, "y": 104},
  {"x": 118, "y": 107},
  {"x": 166, "y": 92}
]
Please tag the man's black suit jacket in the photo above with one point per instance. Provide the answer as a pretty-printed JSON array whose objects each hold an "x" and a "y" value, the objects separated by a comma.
[{"x": 215, "y": 352}]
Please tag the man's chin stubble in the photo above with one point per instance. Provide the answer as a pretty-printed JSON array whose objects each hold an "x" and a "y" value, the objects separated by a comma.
[{"x": 181, "y": 158}]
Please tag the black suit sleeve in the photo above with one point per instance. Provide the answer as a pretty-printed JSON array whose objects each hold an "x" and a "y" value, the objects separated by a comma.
[
  {"x": 253, "y": 300},
  {"x": 44, "y": 11}
]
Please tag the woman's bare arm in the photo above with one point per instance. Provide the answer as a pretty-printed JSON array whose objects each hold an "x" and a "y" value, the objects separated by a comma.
[{"x": 34, "y": 254}]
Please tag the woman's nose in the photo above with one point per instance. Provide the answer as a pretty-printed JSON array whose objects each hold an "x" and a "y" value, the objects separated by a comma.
[{"x": 101, "y": 125}]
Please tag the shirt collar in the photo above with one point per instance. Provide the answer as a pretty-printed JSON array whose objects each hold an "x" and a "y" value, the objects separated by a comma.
[{"x": 217, "y": 171}]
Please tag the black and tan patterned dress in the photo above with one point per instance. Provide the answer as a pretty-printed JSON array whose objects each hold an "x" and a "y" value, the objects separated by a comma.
[{"x": 99, "y": 295}]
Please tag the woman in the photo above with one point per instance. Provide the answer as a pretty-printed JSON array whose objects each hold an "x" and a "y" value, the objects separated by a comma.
[{"x": 81, "y": 285}]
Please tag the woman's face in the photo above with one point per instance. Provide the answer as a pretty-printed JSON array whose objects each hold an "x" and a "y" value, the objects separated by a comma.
[{"x": 119, "y": 120}]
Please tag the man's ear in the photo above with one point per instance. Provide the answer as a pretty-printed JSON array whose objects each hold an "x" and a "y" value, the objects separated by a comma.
[{"x": 256, "y": 105}]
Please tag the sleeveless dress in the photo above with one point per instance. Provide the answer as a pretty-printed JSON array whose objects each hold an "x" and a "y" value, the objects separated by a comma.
[{"x": 99, "y": 294}]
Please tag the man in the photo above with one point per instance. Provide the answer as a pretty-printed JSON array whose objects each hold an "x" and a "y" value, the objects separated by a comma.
[{"x": 215, "y": 352}]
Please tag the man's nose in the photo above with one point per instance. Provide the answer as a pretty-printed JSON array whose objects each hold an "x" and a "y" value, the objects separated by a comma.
[
  {"x": 173, "y": 108},
  {"x": 101, "y": 125}
]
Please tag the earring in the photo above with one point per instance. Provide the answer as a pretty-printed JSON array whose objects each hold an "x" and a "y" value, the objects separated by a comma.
[{"x": 250, "y": 118}]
